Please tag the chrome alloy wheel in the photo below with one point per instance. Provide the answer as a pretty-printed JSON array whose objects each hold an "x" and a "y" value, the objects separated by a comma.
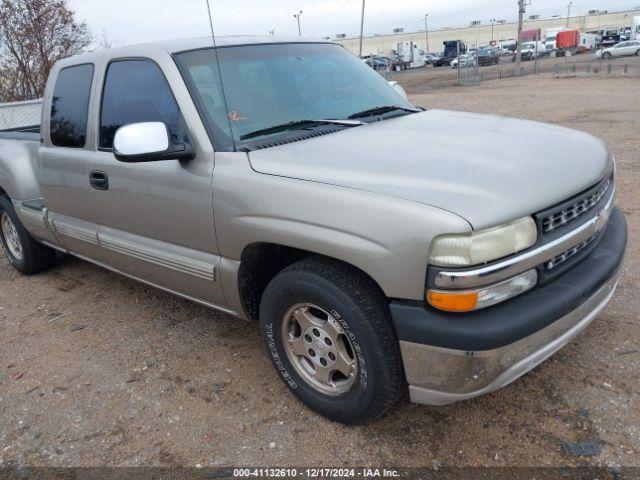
[
  {"x": 11, "y": 236},
  {"x": 319, "y": 350}
]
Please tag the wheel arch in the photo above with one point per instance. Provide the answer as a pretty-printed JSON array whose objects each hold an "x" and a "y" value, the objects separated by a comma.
[{"x": 261, "y": 262}]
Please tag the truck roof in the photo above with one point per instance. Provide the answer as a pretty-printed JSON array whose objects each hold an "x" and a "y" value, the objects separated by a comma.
[{"x": 186, "y": 44}]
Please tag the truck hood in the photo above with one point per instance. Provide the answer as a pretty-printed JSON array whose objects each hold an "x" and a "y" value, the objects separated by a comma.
[{"x": 486, "y": 169}]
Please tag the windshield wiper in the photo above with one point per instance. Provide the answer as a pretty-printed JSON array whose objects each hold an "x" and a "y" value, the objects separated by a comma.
[
  {"x": 299, "y": 125},
  {"x": 381, "y": 110}
]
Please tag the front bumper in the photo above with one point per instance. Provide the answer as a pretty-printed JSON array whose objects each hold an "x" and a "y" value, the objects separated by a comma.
[{"x": 453, "y": 357}]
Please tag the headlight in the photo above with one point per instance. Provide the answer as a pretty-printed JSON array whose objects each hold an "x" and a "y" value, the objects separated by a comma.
[
  {"x": 485, "y": 246},
  {"x": 467, "y": 301}
]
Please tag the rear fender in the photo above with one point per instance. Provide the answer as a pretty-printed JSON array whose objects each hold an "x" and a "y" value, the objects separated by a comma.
[{"x": 18, "y": 163}]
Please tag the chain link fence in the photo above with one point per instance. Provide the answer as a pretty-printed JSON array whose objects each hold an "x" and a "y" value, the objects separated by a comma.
[
  {"x": 566, "y": 66},
  {"x": 20, "y": 114},
  {"x": 585, "y": 65}
]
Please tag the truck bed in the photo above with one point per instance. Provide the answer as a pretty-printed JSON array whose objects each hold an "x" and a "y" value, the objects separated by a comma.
[{"x": 23, "y": 133}]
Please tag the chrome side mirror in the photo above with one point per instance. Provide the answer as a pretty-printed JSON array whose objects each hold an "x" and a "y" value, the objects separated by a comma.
[
  {"x": 399, "y": 90},
  {"x": 148, "y": 142}
]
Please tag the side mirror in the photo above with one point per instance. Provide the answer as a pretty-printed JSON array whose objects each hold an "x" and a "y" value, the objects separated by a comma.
[
  {"x": 148, "y": 142},
  {"x": 399, "y": 90}
]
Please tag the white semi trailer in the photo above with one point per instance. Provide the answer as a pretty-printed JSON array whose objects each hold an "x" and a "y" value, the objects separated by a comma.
[{"x": 411, "y": 55}]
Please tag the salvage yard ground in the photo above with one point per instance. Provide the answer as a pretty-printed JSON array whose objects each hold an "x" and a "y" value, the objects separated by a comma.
[{"x": 96, "y": 369}]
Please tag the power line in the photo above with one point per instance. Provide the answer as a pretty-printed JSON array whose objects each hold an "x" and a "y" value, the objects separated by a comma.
[{"x": 337, "y": 10}]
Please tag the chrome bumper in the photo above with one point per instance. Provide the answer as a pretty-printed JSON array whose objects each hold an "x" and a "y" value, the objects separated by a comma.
[{"x": 440, "y": 376}]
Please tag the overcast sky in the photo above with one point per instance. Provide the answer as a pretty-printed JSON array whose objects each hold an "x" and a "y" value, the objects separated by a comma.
[{"x": 133, "y": 21}]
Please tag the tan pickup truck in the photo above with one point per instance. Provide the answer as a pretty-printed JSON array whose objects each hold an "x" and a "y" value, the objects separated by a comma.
[{"x": 279, "y": 180}]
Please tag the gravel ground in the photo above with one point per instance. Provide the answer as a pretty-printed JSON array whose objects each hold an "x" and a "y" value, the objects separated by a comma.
[{"x": 98, "y": 370}]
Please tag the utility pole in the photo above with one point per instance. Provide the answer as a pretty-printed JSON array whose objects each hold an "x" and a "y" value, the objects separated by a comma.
[
  {"x": 426, "y": 30},
  {"x": 362, "y": 28},
  {"x": 493, "y": 22},
  {"x": 521, "y": 12},
  {"x": 569, "y": 12},
  {"x": 298, "y": 16}
]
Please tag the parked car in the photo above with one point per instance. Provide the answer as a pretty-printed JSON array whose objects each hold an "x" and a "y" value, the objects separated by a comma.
[
  {"x": 488, "y": 56},
  {"x": 394, "y": 61},
  {"x": 622, "y": 49},
  {"x": 465, "y": 61},
  {"x": 299, "y": 196},
  {"x": 431, "y": 58},
  {"x": 377, "y": 63}
]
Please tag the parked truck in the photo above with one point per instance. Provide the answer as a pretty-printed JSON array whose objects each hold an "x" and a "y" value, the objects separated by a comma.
[
  {"x": 531, "y": 35},
  {"x": 551, "y": 37},
  {"x": 411, "y": 55},
  {"x": 280, "y": 181},
  {"x": 609, "y": 37},
  {"x": 588, "y": 42},
  {"x": 567, "y": 42},
  {"x": 452, "y": 49}
]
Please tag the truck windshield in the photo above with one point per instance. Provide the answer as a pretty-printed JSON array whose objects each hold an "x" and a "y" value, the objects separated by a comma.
[{"x": 276, "y": 84}]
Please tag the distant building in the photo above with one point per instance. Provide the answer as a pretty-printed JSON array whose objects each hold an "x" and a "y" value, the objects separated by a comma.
[{"x": 482, "y": 34}]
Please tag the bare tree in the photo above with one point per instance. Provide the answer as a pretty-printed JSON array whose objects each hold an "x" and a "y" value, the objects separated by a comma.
[
  {"x": 34, "y": 34},
  {"x": 105, "y": 42}
]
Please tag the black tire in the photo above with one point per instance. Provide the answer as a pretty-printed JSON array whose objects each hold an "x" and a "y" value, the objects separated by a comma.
[
  {"x": 35, "y": 256},
  {"x": 606, "y": 56},
  {"x": 363, "y": 313},
  {"x": 637, "y": 53}
]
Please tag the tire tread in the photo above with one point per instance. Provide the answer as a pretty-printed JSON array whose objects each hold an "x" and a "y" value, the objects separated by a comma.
[{"x": 365, "y": 295}]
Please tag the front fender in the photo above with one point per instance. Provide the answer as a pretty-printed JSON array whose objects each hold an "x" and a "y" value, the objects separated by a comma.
[{"x": 386, "y": 237}]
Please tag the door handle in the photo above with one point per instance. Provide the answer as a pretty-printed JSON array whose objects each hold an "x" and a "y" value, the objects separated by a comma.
[{"x": 99, "y": 180}]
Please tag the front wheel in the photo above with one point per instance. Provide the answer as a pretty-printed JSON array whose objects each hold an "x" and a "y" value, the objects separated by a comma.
[
  {"x": 328, "y": 331},
  {"x": 23, "y": 251},
  {"x": 606, "y": 55}
]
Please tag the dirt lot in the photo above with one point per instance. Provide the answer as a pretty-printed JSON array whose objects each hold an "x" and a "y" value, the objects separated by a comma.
[{"x": 97, "y": 370}]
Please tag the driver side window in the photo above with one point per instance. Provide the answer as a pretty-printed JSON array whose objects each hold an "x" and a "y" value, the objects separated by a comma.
[{"x": 136, "y": 91}]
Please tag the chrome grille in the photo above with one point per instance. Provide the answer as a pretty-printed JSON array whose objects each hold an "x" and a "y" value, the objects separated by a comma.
[
  {"x": 573, "y": 211},
  {"x": 572, "y": 252}
]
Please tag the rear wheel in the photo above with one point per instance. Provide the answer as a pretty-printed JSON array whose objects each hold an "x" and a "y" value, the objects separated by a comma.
[
  {"x": 637, "y": 53},
  {"x": 23, "y": 251},
  {"x": 328, "y": 332}
]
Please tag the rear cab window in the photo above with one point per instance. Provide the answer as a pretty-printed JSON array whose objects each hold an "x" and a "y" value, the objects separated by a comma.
[{"x": 70, "y": 107}]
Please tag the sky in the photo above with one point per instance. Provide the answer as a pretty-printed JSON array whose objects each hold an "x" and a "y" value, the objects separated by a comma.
[{"x": 134, "y": 21}]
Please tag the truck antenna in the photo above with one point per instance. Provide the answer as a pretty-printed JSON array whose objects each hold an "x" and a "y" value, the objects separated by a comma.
[{"x": 224, "y": 96}]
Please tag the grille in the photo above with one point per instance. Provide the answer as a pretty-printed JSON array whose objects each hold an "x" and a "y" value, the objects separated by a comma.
[
  {"x": 581, "y": 206},
  {"x": 572, "y": 252}
]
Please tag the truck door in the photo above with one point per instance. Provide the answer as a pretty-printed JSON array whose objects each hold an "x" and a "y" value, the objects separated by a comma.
[
  {"x": 156, "y": 218},
  {"x": 63, "y": 173}
]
